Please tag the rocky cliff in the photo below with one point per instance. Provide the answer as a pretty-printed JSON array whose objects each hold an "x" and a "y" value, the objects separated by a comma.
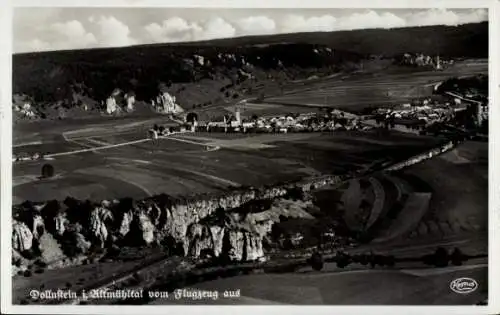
[{"x": 230, "y": 227}]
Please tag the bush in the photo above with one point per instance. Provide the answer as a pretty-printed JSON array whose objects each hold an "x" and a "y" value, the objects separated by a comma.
[
  {"x": 40, "y": 263},
  {"x": 457, "y": 257},
  {"x": 316, "y": 261},
  {"x": 47, "y": 171}
]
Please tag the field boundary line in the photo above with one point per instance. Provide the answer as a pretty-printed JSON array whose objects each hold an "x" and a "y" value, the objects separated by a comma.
[{"x": 108, "y": 146}]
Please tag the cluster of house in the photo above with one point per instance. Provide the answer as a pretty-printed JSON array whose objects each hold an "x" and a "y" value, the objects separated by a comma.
[
  {"x": 304, "y": 122},
  {"x": 415, "y": 117},
  {"x": 422, "y": 114},
  {"x": 420, "y": 60}
]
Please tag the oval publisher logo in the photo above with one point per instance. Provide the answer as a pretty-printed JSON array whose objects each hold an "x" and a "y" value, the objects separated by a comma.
[{"x": 464, "y": 285}]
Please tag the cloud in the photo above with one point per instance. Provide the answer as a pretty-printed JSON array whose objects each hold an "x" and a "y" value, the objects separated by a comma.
[
  {"x": 370, "y": 19},
  {"x": 178, "y": 29},
  {"x": 217, "y": 28},
  {"x": 61, "y": 35},
  {"x": 296, "y": 23},
  {"x": 256, "y": 25},
  {"x": 446, "y": 17},
  {"x": 112, "y": 32},
  {"x": 375, "y": 19},
  {"x": 34, "y": 45},
  {"x": 171, "y": 30},
  {"x": 38, "y": 30},
  {"x": 72, "y": 34}
]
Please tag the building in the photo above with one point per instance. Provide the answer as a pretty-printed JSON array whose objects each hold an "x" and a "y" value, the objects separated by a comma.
[{"x": 238, "y": 115}]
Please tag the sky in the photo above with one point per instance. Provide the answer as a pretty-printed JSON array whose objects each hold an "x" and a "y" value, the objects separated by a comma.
[{"x": 45, "y": 29}]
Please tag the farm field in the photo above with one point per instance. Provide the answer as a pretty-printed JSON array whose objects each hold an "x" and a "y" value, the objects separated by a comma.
[
  {"x": 458, "y": 181},
  {"x": 357, "y": 287},
  {"x": 355, "y": 93},
  {"x": 26, "y": 133},
  {"x": 198, "y": 163}
]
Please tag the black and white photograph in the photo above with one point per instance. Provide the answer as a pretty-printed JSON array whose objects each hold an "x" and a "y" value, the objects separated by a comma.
[{"x": 249, "y": 156}]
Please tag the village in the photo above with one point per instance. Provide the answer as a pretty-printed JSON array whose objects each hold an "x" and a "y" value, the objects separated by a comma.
[
  {"x": 415, "y": 117},
  {"x": 412, "y": 117}
]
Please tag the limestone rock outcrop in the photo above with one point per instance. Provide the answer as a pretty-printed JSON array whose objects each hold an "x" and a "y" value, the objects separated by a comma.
[
  {"x": 111, "y": 106},
  {"x": 98, "y": 228},
  {"x": 22, "y": 238},
  {"x": 231, "y": 226},
  {"x": 146, "y": 227},
  {"x": 125, "y": 222},
  {"x": 60, "y": 224},
  {"x": 236, "y": 241},
  {"x": 253, "y": 247},
  {"x": 38, "y": 227},
  {"x": 49, "y": 248},
  {"x": 166, "y": 103},
  {"x": 130, "y": 99}
]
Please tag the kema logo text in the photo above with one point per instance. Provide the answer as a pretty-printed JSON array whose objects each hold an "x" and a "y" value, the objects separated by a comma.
[{"x": 464, "y": 285}]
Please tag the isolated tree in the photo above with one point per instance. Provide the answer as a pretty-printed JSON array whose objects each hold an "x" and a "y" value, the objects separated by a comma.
[
  {"x": 191, "y": 117},
  {"x": 440, "y": 258},
  {"x": 342, "y": 260},
  {"x": 47, "y": 171},
  {"x": 316, "y": 261},
  {"x": 457, "y": 257}
]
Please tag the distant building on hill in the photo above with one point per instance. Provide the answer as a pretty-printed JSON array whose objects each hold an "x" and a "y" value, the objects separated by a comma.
[{"x": 238, "y": 115}]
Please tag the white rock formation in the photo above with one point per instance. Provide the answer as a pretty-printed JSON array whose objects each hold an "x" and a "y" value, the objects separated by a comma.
[
  {"x": 97, "y": 224},
  {"x": 130, "y": 102},
  {"x": 111, "y": 106},
  {"x": 22, "y": 238},
  {"x": 125, "y": 223},
  {"x": 146, "y": 227},
  {"x": 253, "y": 247},
  {"x": 60, "y": 223},
  {"x": 237, "y": 242},
  {"x": 167, "y": 104},
  {"x": 199, "y": 237},
  {"x": 217, "y": 239},
  {"x": 81, "y": 243},
  {"x": 38, "y": 226},
  {"x": 49, "y": 248},
  {"x": 200, "y": 59}
]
